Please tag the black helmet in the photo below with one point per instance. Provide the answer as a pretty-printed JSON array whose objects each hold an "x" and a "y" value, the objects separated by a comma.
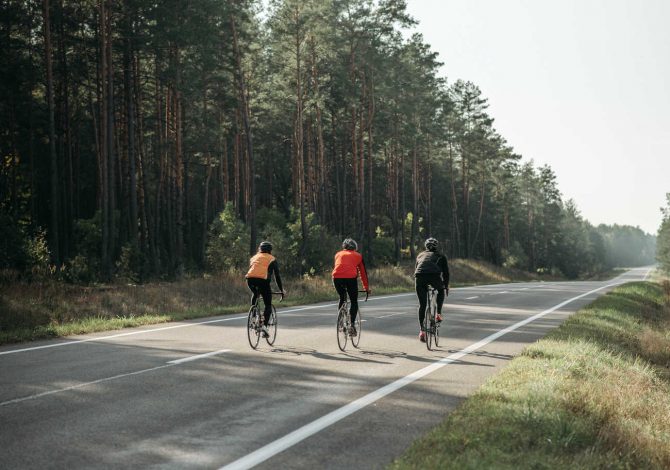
[
  {"x": 265, "y": 247},
  {"x": 431, "y": 244},
  {"x": 350, "y": 244}
]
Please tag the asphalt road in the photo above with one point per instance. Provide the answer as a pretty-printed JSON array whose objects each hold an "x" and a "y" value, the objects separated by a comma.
[{"x": 195, "y": 395}]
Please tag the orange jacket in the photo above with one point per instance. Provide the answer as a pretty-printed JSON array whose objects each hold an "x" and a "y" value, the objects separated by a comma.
[
  {"x": 259, "y": 264},
  {"x": 348, "y": 263}
]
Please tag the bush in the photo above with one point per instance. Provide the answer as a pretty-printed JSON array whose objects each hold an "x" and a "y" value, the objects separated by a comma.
[
  {"x": 319, "y": 247},
  {"x": 12, "y": 245},
  {"x": 515, "y": 257},
  {"x": 383, "y": 248},
  {"x": 130, "y": 263},
  {"x": 39, "y": 256},
  {"x": 228, "y": 242}
]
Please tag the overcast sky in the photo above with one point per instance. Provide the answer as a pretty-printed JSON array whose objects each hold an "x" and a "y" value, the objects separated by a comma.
[{"x": 581, "y": 85}]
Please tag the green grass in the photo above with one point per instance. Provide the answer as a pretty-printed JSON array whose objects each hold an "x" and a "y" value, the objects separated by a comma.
[
  {"x": 595, "y": 393},
  {"x": 38, "y": 310}
]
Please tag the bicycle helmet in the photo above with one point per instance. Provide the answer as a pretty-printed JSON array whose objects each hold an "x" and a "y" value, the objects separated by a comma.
[
  {"x": 265, "y": 247},
  {"x": 350, "y": 244},
  {"x": 431, "y": 244}
]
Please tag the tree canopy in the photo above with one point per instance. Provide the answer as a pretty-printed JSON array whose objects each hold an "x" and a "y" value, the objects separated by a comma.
[{"x": 133, "y": 134}]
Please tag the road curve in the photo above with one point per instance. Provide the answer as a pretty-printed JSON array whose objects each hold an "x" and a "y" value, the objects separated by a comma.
[{"x": 194, "y": 395}]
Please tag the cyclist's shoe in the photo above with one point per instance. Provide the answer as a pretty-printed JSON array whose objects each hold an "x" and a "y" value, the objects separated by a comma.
[
  {"x": 422, "y": 336},
  {"x": 438, "y": 318},
  {"x": 352, "y": 331},
  {"x": 264, "y": 330}
]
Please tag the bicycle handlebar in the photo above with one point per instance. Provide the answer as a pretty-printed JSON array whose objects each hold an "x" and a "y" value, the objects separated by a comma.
[
  {"x": 367, "y": 294},
  {"x": 279, "y": 293}
]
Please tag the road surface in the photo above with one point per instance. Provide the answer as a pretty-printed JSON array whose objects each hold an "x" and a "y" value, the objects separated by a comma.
[{"x": 195, "y": 395}]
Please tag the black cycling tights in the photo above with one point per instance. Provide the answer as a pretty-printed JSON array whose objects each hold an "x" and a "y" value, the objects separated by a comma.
[
  {"x": 262, "y": 286},
  {"x": 421, "y": 284},
  {"x": 344, "y": 286}
]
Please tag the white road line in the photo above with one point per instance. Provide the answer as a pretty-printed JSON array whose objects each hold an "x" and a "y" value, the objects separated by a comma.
[
  {"x": 85, "y": 384},
  {"x": 120, "y": 376},
  {"x": 394, "y": 314},
  {"x": 119, "y": 335},
  {"x": 199, "y": 356},
  {"x": 182, "y": 325},
  {"x": 473, "y": 297},
  {"x": 647, "y": 275},
  {"x": 300, "y": 434}
]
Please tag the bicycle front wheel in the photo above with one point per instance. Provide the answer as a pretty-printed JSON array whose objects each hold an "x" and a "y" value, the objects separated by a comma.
[
  {"x": 359, "y": 329},
  {"x": 253, "y": 327},
  {"x": 272, "y": 327},
  {"x": 342, "y": 328}
]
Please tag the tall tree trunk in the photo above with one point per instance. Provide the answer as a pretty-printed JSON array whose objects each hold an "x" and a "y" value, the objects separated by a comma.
[
  {"x": 178, "y": 166},
  {"x": 102, "y": 141},
  {"x": 111, "y": 167},
  {"x": 54, "y": 235},
  {"x": 130, "y": 123},
  {"x": 415, "y": 207},
  {"x": 251, "y": 218}
]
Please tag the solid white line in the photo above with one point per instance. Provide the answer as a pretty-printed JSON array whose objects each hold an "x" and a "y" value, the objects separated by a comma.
[
  {"x": 100, "y": 338},
  {"x": 289, "y": 440},
  {"x": 85, "y": 384},
  {"x": 199, "y": 356},
  {"x": 473, "y": 297}
]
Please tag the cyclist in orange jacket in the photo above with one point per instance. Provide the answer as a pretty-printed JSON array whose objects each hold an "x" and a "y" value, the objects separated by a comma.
[
  {"x": 348, "y": 264},
  {"x": 261, "y": 268}
]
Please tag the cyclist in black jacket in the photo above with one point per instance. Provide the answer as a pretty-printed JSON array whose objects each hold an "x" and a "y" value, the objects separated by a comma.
[{"x": 431, "y": 269}]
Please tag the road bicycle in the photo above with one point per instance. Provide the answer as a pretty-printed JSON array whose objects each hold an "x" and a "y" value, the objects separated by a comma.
[
  {"x": 255, "y": 321},
  {"x": 344, "y": 324},
  {"x": 430, "y": 326}
]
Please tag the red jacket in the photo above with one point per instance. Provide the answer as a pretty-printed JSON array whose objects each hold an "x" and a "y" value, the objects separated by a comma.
[{"x": 348, "y": 263}]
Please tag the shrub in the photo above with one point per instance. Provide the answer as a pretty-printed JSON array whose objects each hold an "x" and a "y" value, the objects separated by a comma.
[
  {"x": 318, "y": 251},
  {"x": 228, "y": 245},
  {"x": 12, "y": 244}
]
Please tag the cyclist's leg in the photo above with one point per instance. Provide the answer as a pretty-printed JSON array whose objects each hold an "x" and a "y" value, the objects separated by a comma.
[
  {"x": 421, "y": 287},
  {"x": 352, "y": 289},
  {"x": 251, "y": 284},
  {"x": 266, "y": 292},
  {"x": 437, "y": 283},
  {"x": 340, "y": 287}
]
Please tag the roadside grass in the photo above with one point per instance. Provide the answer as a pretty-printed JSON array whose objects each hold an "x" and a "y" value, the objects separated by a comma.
[
  {"x": 594, "y": 393},
  {"x": 37, "y": 310}
]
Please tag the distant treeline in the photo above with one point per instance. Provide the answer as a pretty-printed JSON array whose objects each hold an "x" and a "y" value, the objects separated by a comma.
[
  {"x": 148, "y": 139},
  {"x": 663, "y": 248}
]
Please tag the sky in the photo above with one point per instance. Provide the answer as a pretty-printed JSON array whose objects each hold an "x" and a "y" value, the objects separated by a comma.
[{"x": 580, "y": 85}]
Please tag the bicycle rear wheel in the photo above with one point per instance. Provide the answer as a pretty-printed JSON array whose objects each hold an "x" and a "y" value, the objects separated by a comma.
[
  {"x": 342, "y": 327},
  {"x": 359, "y": 329},
  {"x": 436, "y": 327},
  {"x": 272, "y": 327},
  {"x": 253, "y": 327}
]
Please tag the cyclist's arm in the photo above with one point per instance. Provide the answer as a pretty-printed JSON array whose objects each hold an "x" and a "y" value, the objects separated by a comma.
[
  {"x": 445, "y": 270},
  {"x": 274, "y": 268},
  {"x": 364, "y": 275}
]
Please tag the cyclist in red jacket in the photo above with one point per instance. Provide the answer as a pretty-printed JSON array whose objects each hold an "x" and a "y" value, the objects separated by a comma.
[{"x": 348, "y": 264}]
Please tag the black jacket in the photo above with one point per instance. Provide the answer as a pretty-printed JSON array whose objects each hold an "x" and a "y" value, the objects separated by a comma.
[{"x": 432, "y": 262}]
